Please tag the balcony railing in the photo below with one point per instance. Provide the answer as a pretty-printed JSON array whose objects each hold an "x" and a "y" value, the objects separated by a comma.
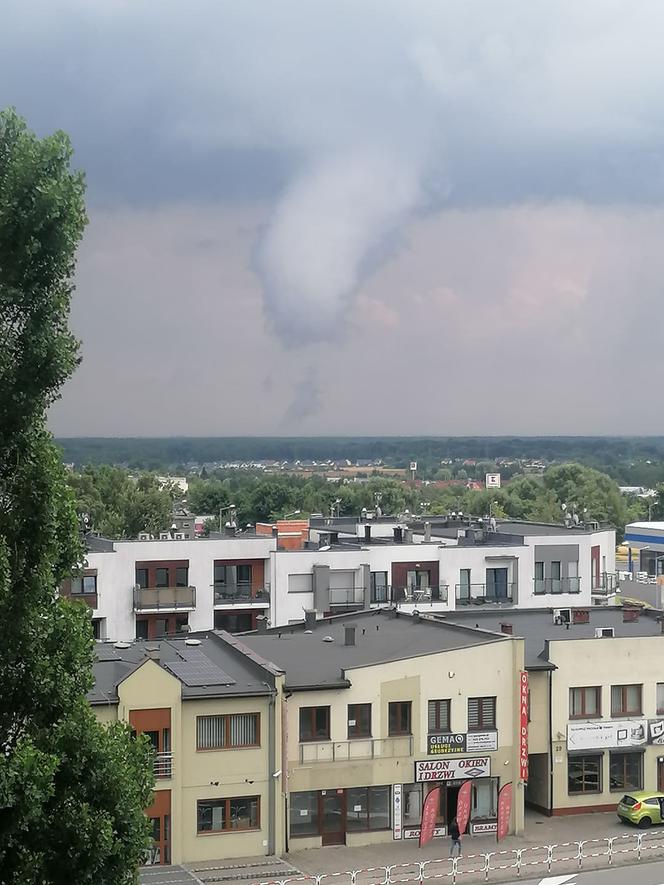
[
  {"x": 346, "y": 596},
  {"x": 388, "y": 595},
  {"x": 481, "y": 594},
  {"x": 91, "y": 599},
  {"x": 360, "y": 748},
  {"x": 240, "y": 594},
  {"x": 147, "y": 599},
  {"x": 556, "y": 585},
  {"x": 608, "y": 585},
  {"x": 163, "y": 765}
]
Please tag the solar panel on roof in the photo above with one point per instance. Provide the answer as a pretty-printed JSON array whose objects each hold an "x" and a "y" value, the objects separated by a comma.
[{"x": 197, "y": 673}]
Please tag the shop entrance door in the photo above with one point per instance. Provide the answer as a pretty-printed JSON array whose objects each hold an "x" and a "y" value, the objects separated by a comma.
[
  {"x": 452, "y": 794},
  {"x": 660, "y": 775},
  {"x": 332, "y": 813}
]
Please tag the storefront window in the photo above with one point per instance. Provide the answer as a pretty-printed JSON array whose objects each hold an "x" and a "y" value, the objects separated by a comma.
[
  {"x": 584, "y": 774},
  {"x": 485, "y": 799},
  {"x": 626, "y": 771},
  {"x": 368, "y": 808},
  {"x": 412, "y": 804},
  {"x": 304, "y": 814}
]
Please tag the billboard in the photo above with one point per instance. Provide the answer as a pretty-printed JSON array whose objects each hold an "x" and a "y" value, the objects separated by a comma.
[
  {"x": 492, "y": 480},
  {"x": 523, "y": 726},
  {"x": 460, "y": 742},
  {"x": 607, "y": 735},
  {"x": 452, "y": 769}
]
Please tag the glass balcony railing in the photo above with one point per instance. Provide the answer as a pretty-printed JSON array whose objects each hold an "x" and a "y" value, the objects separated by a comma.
[
  {"x": 480, "y": 594},
  {"x": 227, "y": 594},
  {"x": 556, "y": 585},
  {"x": 147, "y": 599},
  {"x": 359, "y": 748}
]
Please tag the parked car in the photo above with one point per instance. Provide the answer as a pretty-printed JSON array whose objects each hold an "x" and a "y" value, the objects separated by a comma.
[{"x": 642, "y": 808}]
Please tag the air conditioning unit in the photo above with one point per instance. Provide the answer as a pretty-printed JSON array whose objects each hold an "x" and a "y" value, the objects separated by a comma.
[
  {"x": 179, "y": 536},
  {"x": 562, "y": 616},
  {"x": 604, "y": 632},
  {"x": 164, "y": 536},
  {"x": 144, "y": 536}
]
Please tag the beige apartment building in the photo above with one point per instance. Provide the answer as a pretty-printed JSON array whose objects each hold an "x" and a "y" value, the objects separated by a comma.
[
  {"x": 378, "y": 709},
  {"x": 596, "y": 703}
]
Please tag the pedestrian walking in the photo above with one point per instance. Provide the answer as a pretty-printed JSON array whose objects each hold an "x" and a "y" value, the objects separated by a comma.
[{"x": 455, "y": 836}]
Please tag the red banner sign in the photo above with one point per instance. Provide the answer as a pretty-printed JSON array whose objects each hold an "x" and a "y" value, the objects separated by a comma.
[
  {"x": 429, "y": 815},
  {"x": 463, "y": 806},
  {"x": 504, "y": 811},
  {"x": 523, "y": 726}
]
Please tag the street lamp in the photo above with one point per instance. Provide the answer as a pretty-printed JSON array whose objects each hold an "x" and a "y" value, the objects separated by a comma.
[
  {"x": 222, "y": 510},
  {"x": 294, "y": 513}
]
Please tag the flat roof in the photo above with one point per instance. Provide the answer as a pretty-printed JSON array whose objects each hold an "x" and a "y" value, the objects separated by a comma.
[
  {"x": 209, "y": 665},
  {"x": 312, "y": 662},
  {"x": 538, "y": 529},
  {"x": 536, "y": 626}
]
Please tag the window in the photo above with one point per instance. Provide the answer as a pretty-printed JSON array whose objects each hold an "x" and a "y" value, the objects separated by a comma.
[
  {"x": 399, "y": 717},
  {"x": 225, "y": 732},
  {"x": 556, "y": 583},
  {"x": 625, "y": 771},
  {"x": 573, "y": 576},
  {"x": 86, "y": 584},
  {"x": 464, "y": 585},
  {"x": 182, "y": 576},
  {"x": 585, "y": 703},
  {"x": 379, "y": 586},
  {"x": 141, "y": 628},
  {"x": 368, "y": 808},
  {"x": 412, "y": 804},
  {"x": 625, "y": 700},
  {"x": 418, "y": 579},
  {"x": 660, "y": 697},
  {"x": 540, "y": 586},
  {"x": 584, "y": 774},
  {"x": 359, "y": 720},
  {"x": 142, "y": 577},
  {"x": 481, "y": 714},
  {"x": 223, "y": 815},
  {"x": 439, "y": 716},
  {"x": 161, "y": 577},
  {"x": 300, "y": 583},
  {"x": 234, "y": 623},
  {"x": 314, "y": 723},
  {"x": 304, "y": 814}
]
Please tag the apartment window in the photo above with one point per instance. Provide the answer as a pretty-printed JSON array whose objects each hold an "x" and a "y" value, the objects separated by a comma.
[
  {"x": 304, "y": 813},
  {"x": 182, "y": 576},
  {"x": 464, "y": 584},
  {"x": 314, "y": 723},
  {"x": 573, "y": 576},
  {"x": 142, "y": 577},
  {"x": 300, "y": 583},
  {"x": 584, "y": 774},
  {"x": 224, "y": 815},
  {"x": 228, "y": 731},
  {"x": 161, "y": 577},
  {"x": 540, "y": 585},
  {"x": 368, "y": 808},
  {"x": 359, "y": 720},
  {"x": 585, "y": 703},
  {"x": 625, "y": 700},
  {"x": 481, "y": 714},
  {"x": 141, "y": 628},
  {"x": 379, "y": 586},
  {"x": 556, "y": 583},
  {"x": 660, "y": 697},
  {"x": 232, "y": 575},
  {"x": 399, "y": 717},
  {"x": 86, "y": 584},
  {"x": 439, "y": 716},
  {"x": 625, "y": 771}
]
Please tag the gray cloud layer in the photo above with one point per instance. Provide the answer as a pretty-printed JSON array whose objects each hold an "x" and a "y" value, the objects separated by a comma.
[{"x": 341, "y": 126}]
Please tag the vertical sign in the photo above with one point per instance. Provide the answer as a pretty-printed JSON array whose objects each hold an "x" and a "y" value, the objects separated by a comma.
[
  {"x": 396, "y": 811},
  {"x": 523, "y": 726},
  {"x": 429, "y": 814},
  {"x": 463, "y": 806},
  {"x": 504, "y": 811}
]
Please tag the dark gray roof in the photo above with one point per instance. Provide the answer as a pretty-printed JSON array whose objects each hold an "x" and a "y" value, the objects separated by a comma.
[
  {"x": 536, "y": 627},
  {"x": 310, "y": 662},
  {"x": 538, "y": 529},
  {"x": 217, "y": 667}
]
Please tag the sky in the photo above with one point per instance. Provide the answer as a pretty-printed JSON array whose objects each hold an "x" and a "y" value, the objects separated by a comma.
[{"x": 357, "y": 217}]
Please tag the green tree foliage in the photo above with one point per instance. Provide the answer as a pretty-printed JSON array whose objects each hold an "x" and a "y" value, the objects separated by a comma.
[{"x": 71, "y": 791}]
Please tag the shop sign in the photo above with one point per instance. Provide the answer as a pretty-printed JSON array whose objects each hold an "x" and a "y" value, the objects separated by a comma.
[
  {"x": 429, "y": 813},
  {"x": 481, "y": 741},
  {"x": 451, "y": 769},
  {"x": 656, "y": 731},
  {"x": 523, "y": 726},
  {"x": 479, "y": 829},
  {"x": 414, "y": 832},
  {"x": 605, "y": 734},
  {"x": 396, "y": 811},
  {"x": 463, "y": 806},
  {"x": 504, "y": 811},
  {"x": 446, "y": 744}
]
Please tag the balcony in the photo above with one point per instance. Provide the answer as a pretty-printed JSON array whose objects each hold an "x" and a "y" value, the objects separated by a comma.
[
  {"x": 388, "y": 595},
  {"x": 346, "y": 596},
  {"x": 90, "y": 599},
  {"x": 163, "y": 765},
  {"x": 607, "y": 586},
  {"x": 360, "y": 748},
  {"x": 164, "y": 599},
  {"x": 484, "y": 594},
  {"x": 556, "y": 585},
  {"x": 240, "y": 594}
]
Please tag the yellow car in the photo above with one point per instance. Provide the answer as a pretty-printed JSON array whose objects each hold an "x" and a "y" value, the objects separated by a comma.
[{"x": 642, "y": 808}]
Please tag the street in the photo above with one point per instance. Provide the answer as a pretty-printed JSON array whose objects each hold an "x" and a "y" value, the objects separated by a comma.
[{"x": 643, "y": 874}]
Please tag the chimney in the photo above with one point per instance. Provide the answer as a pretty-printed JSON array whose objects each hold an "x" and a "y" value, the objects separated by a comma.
[
  {"x": 349, "y": 635},
  {"x": 394, "y": 613},
  {"x": 427, "y": 531},
  {"x": 408, "y": 536},
  {"x": 398, "y": 534},
  {"x": 661, "y": 624},
  {"x": 334, "y": 538},
  {"x": 506, "y": 628},
  {"x": 416, "y": 617},
  {"x": 310, "y": 619},
  {"x": 275, "y": 531},
  {"x": 229, "y": 530},
  {"x": 630, "y": 614},
  {"x": 152, "y": 652},
  {"x": 367, "y": 533},
  {"x": 261, "y": 624}
]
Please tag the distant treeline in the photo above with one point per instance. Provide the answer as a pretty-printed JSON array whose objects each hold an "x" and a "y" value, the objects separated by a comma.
[{"x": 624, "y": 458}]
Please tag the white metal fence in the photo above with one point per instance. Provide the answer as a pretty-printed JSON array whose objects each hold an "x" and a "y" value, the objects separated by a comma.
[{"x": 593, "y": 853}]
